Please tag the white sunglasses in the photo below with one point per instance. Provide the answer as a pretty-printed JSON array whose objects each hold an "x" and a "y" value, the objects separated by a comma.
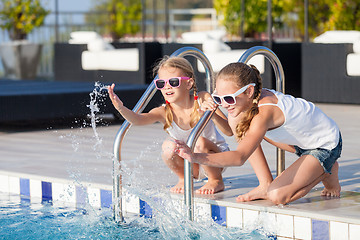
[{"x": 230, "y": 98}]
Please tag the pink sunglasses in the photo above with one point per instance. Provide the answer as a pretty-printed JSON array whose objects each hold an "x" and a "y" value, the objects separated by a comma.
[{"x": 173, "y": 82}]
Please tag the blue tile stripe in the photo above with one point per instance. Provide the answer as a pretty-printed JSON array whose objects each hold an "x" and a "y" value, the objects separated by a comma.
[
  {"x": 46, "y": 188},
  {"x": 320, "y": 229},
  {"x": 145, "y": 209},
  {"x": 218, "y": 214},
  {"x": 106, "y": 198},
  {"x": 81, "y": 195},
  {"x": 25, "y": 187}
]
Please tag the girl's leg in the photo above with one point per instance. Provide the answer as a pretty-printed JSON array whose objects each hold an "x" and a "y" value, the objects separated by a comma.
[
  {"x": 297, "y": 180},
  {"x": 215, "y": 181},
  {"x": 262, "y": 171},
  {"x": 176, "y": 164}
]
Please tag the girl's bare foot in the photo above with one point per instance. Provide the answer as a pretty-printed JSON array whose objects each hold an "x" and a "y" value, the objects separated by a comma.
[
  {"x": 331, "y": 183},
  {"x": 211, "y": 187},
  {"x": 260, "y": 192},
  {"x": 179, "y": 187}
]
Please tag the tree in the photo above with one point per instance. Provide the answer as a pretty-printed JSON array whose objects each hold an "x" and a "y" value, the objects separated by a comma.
[
  {"x": 345, "y": 15},
  {"x": 323, "y": 15},
  {"x": 327, "y": 15},
  {"x": 255, "y": 15},
  {"x": 319, "y": 12},
  {"x": 20, "y": 17},
  {"x": 121, "y": 17}
]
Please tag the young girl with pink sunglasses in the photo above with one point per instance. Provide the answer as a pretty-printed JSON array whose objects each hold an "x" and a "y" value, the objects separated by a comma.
[{"x": 179, "y": 114}]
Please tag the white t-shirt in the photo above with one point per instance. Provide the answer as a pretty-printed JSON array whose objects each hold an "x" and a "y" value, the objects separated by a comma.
[
  {"x": 210, "y": 132},
  {"x": 305, "y": 126}
]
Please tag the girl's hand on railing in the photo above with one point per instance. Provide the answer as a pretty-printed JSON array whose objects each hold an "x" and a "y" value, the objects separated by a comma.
[
  {"x": 184, "y": 151},
  {"x": 208, "y": 104},
  {"x": 118, "y": 104}
]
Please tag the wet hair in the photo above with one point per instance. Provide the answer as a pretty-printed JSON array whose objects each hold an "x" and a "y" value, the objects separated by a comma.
[
  {"x": 188, "y": 71},
  {"x": 243, "y": 74}
]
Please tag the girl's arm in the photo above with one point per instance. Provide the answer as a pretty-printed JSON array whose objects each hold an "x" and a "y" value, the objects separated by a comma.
[
  {"x": 218, "y": 117},
  {"x": 152, "y": 116},
  {"x": 244, "y": 150}
]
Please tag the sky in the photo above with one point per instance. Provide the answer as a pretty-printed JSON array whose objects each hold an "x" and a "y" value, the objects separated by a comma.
[{"x": 68, "y": 6}]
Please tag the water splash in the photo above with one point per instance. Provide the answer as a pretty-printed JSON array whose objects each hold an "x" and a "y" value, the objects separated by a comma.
[
  {"x": 168, "y": 220},
  {"x": 87, "y": 145},
  {"x": 168, "y": 214},
  {"x": 97, "y": 96}
]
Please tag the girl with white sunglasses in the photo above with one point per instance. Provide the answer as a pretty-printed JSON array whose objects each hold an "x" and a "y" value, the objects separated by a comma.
[
  {"x": 292, "y": 124},
  {"x": 179, "y": 114}
]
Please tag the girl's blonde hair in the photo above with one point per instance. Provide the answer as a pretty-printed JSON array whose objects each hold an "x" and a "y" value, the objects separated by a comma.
[
  {"x": 188, "y": 71},
  {"x": 242, "y": 75}
]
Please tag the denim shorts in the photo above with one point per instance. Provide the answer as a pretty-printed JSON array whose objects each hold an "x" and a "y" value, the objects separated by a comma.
[{"x": 326, "y": 157}]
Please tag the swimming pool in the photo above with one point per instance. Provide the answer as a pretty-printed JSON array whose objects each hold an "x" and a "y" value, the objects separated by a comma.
[{"x": 20, "y": 219}]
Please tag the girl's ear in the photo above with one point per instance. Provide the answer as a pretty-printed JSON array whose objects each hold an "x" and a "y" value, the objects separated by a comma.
[
  {"x": 250, "y": 91},
  {"x": 190, "y": 83}
]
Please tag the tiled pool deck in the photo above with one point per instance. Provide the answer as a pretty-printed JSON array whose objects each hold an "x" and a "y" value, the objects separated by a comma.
[{"x": 75, "y": 166}]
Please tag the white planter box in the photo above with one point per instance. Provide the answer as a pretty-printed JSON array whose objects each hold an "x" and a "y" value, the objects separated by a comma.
[{"x": 20, "y": 59}]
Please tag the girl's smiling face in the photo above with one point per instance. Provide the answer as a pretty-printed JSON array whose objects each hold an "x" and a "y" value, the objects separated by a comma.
[
  {"x": 172, "y": 94},
  {"x": 243, "y": 101}
]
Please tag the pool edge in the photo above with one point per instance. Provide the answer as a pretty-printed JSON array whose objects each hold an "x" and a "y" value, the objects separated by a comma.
[{"x": 288, "y": 223}]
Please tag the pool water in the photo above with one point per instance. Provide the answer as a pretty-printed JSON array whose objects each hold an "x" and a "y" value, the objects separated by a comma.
[{"x": 20, "y": 219}]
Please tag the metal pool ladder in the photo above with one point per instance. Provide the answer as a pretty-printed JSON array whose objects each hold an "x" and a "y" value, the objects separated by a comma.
[
  {"x": 146, "y": 97},
  {"x": 280, "y": 87}
]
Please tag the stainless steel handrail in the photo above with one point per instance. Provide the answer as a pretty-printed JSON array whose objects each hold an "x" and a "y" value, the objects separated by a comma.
[
  {"x": 117, "y": 178},
  {"x": 139, "y": 107},
  {"x": 188, "y": 178},
  {"x": 280, "y": 86}
]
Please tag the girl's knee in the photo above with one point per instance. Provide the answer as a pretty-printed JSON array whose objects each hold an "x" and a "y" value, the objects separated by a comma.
[
  {"x": 168, "y": 148},
  {"x": 276, "y": 196},
  {"x": 201, "y": 145}
]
